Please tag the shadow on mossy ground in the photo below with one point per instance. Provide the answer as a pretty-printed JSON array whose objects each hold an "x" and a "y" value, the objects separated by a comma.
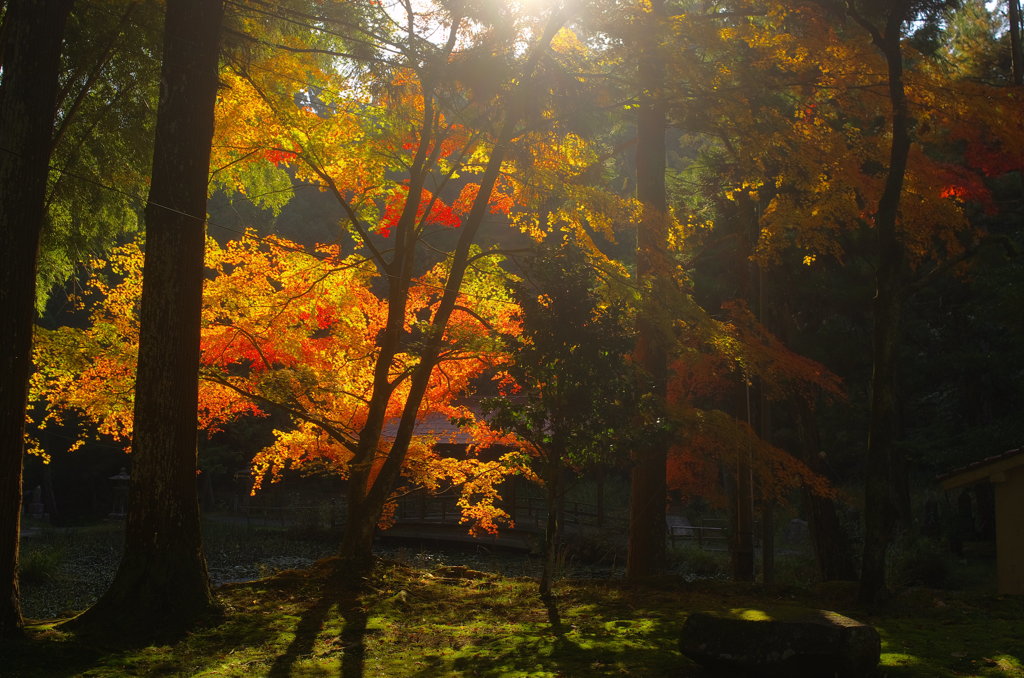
[{"x": 453, "y": 621}]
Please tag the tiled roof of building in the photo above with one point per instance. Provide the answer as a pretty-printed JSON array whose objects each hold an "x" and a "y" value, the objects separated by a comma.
[
  {"x": 966, "y": 474},
  {"x": 434, "y": 425}
]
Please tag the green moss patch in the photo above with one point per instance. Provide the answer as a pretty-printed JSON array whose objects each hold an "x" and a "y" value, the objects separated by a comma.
[{"x": 446, "y": 622}]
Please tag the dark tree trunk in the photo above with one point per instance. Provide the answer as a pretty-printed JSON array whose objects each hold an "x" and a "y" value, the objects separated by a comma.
[
  {"x": 648, "y": 494},
  {"x": 883, "y": 460},
  {"x": 554, "y": 500},
  {"x": 162, "y": 587},
  {"x": 741, "y": 510},
  {"x": 360, "y": 527},
  {"x": 741, "y": 526},
  {"x": 552, "y": 528},
  {"x": 1016, "y": 51},
  {"x": 764, "y": 420},
  {"x": 768, "y": 542},
  {"x": 33, "y": 34},
  {"x": 748, "y": 400}
]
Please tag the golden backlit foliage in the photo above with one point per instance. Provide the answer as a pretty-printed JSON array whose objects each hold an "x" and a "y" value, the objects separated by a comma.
[{"x": 286, "y": 328}]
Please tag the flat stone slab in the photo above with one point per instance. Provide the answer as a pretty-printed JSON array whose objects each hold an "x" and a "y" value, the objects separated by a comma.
[{"x": 781, "y": 641}]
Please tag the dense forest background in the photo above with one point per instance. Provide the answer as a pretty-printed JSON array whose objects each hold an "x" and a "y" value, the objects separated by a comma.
[{"x": 790, "y": 232}]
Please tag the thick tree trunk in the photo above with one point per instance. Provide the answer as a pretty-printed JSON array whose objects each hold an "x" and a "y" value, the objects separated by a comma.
[
  {"x": 162, "y": 587},
  {"x": 28, "y": 93},
  {"x": 883, "y": 460},
  {"x": 879, "y": 505},
  {"x": 648, "y": 494},
  {"x": 1016, "y": 51},
  {"x": 360, "y": 527}
]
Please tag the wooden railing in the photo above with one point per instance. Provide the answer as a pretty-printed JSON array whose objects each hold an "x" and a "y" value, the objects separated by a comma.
[
  {"x": 706, "y": 532},
  {"x": 528, "y": 512},
  {"x": 325, "y": 515}
]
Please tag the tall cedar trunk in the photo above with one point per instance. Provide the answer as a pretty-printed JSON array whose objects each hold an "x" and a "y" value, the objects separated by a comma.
[
  {"x": 883, "y": 456},
  {"x": 1016, "y": 51},
  {"x": 648, "y": 495},
  {"x": 829, "y": 538},
  {"x": 162, "y": 586},
  {"x": 28, "y": 94}
]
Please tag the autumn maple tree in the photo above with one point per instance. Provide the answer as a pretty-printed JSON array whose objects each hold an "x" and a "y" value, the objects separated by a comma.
[
  {"x": 391, "y": 155},
  {"x": 285, "y": 329}
]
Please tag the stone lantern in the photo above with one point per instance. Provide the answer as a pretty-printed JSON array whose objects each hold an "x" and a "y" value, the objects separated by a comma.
[
  {"x": 36, "y": 507},
  {"x": 120, "y": 487}
]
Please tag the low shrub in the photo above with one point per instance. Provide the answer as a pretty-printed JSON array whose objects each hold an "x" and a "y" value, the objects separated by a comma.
[
  {"x": 38, "y": 566},
  {"x": 695, "y": 562},
  {"x": 796, "y": 569},
  {"x": 919, "y": 561}
]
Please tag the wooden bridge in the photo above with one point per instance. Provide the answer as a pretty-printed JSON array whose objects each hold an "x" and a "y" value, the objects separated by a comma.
[
  {"x": 425, "y": 517},
  {"x": 437, "y": 518}
]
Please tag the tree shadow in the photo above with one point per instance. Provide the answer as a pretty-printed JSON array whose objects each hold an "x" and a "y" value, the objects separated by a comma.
[
  {"x": 554, "y": 618},
  {"x": 32, "y": 657},
  {"x": 568, "y": 654},
  {"x": 343, "y": 591},
  {"x": 353, "y": 635},
  {"x": 306, "y": 632}
]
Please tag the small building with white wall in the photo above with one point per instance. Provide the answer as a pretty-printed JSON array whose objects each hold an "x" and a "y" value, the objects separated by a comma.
[{"x": 1006, "y": 473}]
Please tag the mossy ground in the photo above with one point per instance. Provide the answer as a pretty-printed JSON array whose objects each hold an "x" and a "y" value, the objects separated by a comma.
[{"x": 454, "y": 621}]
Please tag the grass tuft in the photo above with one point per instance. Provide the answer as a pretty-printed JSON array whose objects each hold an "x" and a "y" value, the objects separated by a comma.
[{"x": 40, "y": 566}]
